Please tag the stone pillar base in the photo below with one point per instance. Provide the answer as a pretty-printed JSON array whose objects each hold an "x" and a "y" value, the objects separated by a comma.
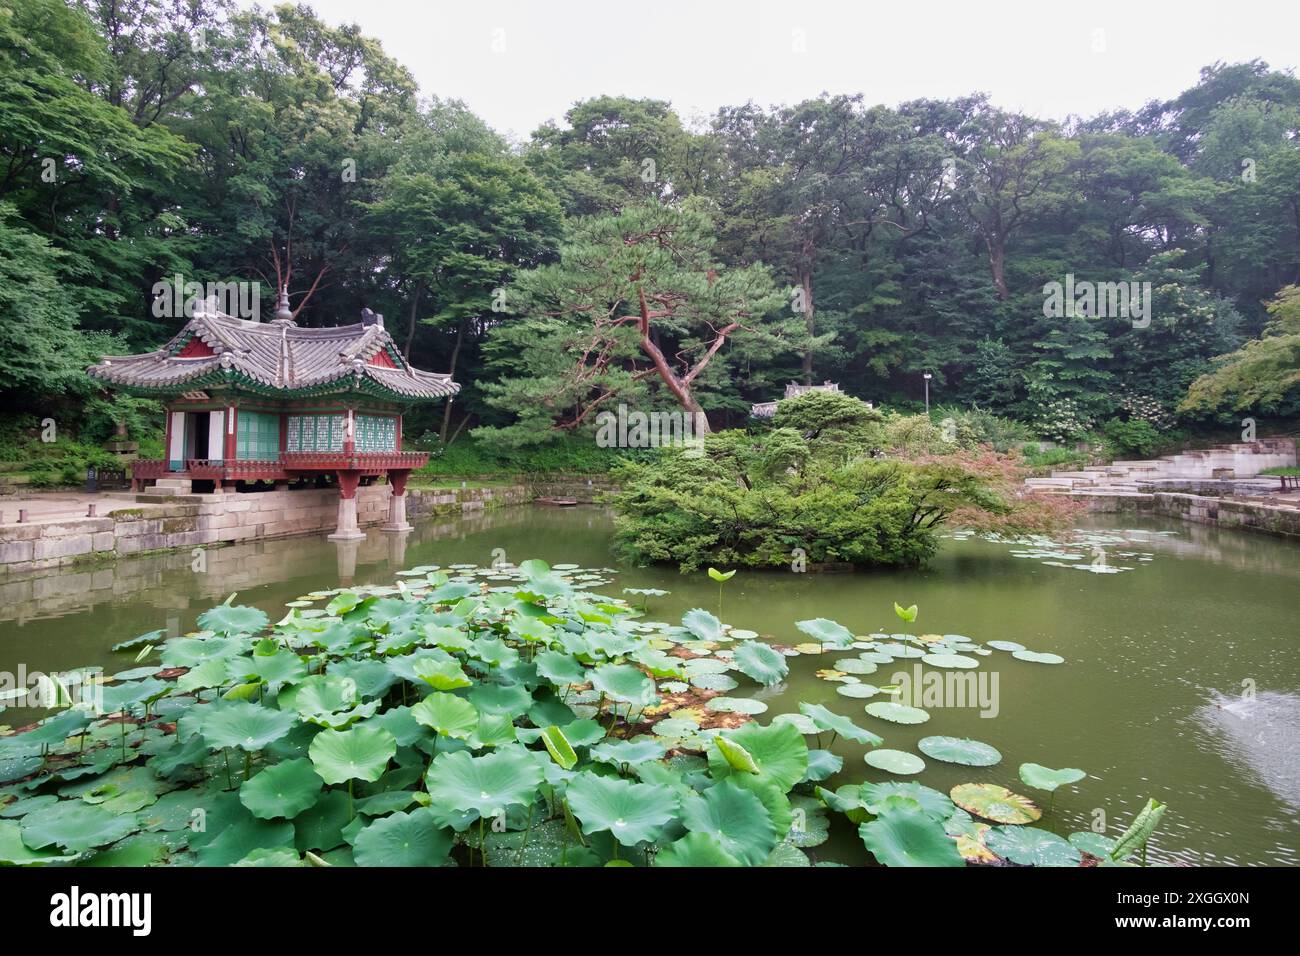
[
  {"x": 347, "y": 529},
  {"x": 396, "y": 522}
]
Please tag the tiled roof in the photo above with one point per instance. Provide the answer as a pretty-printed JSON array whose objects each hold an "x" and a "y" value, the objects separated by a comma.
[{"x": 278, "y": 356}]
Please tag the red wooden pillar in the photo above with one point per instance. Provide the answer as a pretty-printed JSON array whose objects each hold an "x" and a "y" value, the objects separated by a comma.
[{"x": 230, "y": 433}]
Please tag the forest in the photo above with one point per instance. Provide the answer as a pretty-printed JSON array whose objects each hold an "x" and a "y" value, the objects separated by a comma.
[{"x": 621, "y": 254}]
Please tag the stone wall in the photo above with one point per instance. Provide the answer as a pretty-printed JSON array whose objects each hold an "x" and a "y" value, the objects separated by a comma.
[
  {"x": 192, "y": 521},
  {"x": 1219, "y": 512}
]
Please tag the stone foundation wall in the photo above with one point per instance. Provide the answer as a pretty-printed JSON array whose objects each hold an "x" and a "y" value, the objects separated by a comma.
[
  {"x": 200, "y": 520},
  {"x": 1218, "y": 512}
]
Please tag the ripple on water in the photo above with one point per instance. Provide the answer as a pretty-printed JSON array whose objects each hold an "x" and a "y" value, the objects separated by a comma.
[{"x": 1261, "y": 735}]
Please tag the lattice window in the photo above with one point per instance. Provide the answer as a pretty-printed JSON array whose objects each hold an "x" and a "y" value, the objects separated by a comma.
[
  {"x": 376, "y": 433},
  {"x": 257, "y": 436},
  {"x": 315, "y": 433}
]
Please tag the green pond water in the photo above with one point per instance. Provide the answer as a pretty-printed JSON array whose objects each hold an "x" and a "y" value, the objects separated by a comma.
[{"x": 1182, "y": 678}]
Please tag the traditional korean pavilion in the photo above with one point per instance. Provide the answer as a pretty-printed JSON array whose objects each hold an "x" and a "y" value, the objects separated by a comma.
[{"x": 252, "y": 401}]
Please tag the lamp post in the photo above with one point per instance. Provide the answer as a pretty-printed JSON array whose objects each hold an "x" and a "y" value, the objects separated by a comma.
[{"x": 926, "y": 376}]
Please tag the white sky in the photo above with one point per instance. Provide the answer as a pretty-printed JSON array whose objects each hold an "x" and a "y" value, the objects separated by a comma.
[{"x": 702, "y": 54}]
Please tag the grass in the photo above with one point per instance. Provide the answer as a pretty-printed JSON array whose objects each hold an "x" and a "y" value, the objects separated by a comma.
[{"x": 1288, "y": 471}]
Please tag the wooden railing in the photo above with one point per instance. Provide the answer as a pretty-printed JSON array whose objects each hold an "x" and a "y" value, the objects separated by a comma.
[
  {"x": 353, "y": 461},
  {"x": 246, "y": 469}
]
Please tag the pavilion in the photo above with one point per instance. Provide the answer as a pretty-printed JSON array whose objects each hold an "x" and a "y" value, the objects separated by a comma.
[{"x": 251, "y": 401}]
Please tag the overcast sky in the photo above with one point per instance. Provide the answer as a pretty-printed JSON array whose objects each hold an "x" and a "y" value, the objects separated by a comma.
[{"x": 518, "y": 64}]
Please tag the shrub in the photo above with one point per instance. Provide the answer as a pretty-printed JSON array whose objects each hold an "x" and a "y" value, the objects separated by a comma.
[{"x": 1135, "y": 437}]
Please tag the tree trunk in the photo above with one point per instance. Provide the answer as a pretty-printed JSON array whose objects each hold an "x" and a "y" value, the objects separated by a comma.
[
  {"x": 997, "y": 258},
  {"x": 410, "y": 325},
  {"x": 455, "y": 354},
  {"x": 805, "y": 280}
]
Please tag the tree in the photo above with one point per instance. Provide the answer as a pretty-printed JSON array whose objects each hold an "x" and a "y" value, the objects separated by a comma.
[
  {"x": 636, "y": 298},
  {"x": 1264, "y": 375}
]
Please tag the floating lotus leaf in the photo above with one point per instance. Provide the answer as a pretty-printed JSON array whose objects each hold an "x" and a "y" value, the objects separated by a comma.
[
  {"x": 75, "y": 825},
  {"x": 447, "y": 714},
  {"x": 992, "y": 802},
  {"x": 361, "y": 753},
  {"x": 897, "y": 651},
  {"x": 1030, "y": 846},
  {"x": 826, "y": 719},
  {"x": 908, "y": 837},
  {"x": 247, "y": 726},
  {"x": 895, "y": 761},
  {"x": 696, "y": 850},
  {"x": 1091, "y": 843},
  {"x": 237, "y": 619},
  {"x": 855, "y": 665},
  {"x": 897, "y": 713},
  {"x": 486, "y": 785},
  {"x": 736, "y": 817},
  {"x": 1006, "y": 646},
  {"x": 737, "y": 705},
  {"x": 403, "y": 839},
  {"x": 631, "y": 752},
  {"x": 671, "y": 727},
  {"x": 623, "y": 682},
  {"x": 631, "y": 812},
  {"x": 1045, "y": 778},
  {"x": 720, "y": 682},
  {"x": 759, "y": 661},
  {"x": 959, "y": 750},
  {"x": 702, "y": 624},
  {"x": 951, "y": 660},
  {"x": 857, "y": 691},
  {"x": 25, "y": 805},
  {"x": 1037, "y": 658},
  {"x": 826, "y": 631},
  {"x": 282, "y": 790}
]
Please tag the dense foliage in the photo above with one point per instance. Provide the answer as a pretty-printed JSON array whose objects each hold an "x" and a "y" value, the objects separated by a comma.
[
  {"x": 618, "y": 255},
  {"x": 811, "y": 489}
]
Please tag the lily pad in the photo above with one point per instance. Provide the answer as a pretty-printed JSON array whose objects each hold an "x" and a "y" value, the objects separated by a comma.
[
  {"x": 826, "y": 719},
  {"x": 959, "y": 750},
  {"x": 897, "y": 713},
  {"x": 1038, "y": 658},
  {"x": 1031, "y": 846},
  {"x": 895, "y": 761},
  {"x": 759, "y": 661},
  {"x": 992, "y": 802},
  {"x": 959, "y": 661},
  {"x": 1045, "y": 778}
]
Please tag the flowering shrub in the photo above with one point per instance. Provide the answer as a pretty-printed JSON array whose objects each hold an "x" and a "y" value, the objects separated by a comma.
[{"x": 1062, "y": 420}]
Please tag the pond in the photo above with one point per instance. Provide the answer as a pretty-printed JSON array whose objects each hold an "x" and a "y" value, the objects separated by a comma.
[{"x": 1181, "y": 681}]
